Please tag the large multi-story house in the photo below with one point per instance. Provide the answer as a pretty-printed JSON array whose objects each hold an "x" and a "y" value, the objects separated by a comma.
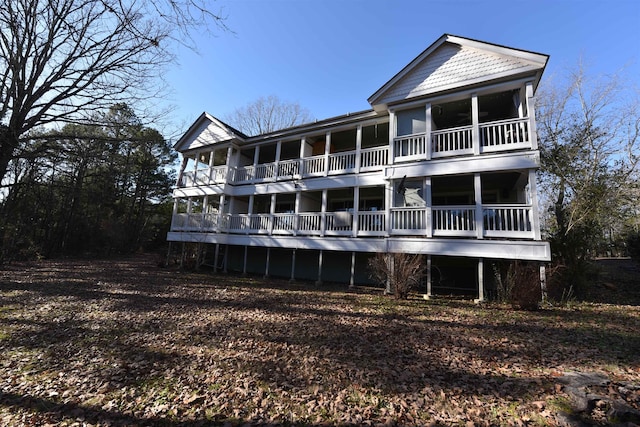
[{"x": 442, "y": 165}]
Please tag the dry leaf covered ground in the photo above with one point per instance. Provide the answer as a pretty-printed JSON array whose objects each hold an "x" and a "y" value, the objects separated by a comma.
[{"x": 127, "y": 343}]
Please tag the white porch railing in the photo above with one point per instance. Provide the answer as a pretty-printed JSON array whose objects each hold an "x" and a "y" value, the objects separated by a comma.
[
  {"x": 499, "y": 221},
  {"x": 454, "y": 221},
  {"x": 373, "y": 158},
  {"x": 310, "y": 223},
  {"x": 505, "y": 135},
  {"x": 313, "y": 166},
  {"x": 409, "y": 220},
  {"x": 452, "y": 142},
  {"x": 508, "y": 221},
  {"x": 409, "y": 147},
  {"x": 372, "y": 223},
  {"x": 495, "y": 136},
  {"x": 338, "y": 224},
  {"x": 342, "y": 162}
]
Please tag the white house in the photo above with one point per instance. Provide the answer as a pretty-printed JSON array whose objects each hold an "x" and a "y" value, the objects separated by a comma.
[{"x": 442, "y": 165}]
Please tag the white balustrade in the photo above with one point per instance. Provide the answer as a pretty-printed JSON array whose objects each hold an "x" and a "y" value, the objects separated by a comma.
[
  {"x": 505, "y": 135},
  {"x": 288, "y": 169},
  {"x": 342, "y": 162},
  {"x": 373, "y": 158},
  {"x": 507, "y": 221},
  {"x": 453, "y": 221},
  {"x": 371, "y": 223},
  {"x": 284, "y": 223},
  {"x": 313, "y": 165},
  {"x": 309, "y": 223},
  {"x": 409, "y": 147},
  {"x": 408, "y": 220},
  {"x": 452, "y": 142}
]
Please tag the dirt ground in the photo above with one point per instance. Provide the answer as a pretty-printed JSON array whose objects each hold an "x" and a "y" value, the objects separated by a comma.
[{"x": 125, "y": 342}]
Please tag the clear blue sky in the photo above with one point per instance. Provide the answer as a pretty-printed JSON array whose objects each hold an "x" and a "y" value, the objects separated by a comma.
[{"x": 331, "y": 55}]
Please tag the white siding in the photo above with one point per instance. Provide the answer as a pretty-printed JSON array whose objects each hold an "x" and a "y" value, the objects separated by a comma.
[{"x": 451, "y": 65}]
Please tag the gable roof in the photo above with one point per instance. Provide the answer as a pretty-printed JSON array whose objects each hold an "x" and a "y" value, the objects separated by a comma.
[
  {"x": 452, "y": 62},
  {"x": 207, "y": 130}
]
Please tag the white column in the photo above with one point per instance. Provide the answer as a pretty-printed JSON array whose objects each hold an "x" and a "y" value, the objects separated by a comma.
[
  {"x": 475, "y": 123},
  {"x": 323, "y": 212},
  {"x": 533, "y": 132},
  {"x": 358, "y": 147},
  {"x": 296, "y": 210},
  {"x": 477, "y": 184},
  {"x": 480, "y": 281},
  {"x": 277, "y": 162},
  {"x": 272, "y": 211},
  {"x": 327, "y": 150},
  {"x": 388, "y": 199},
  {"x": 392, "y": 134},
  {"x": 429, "y": 294},
  {"x": 356, "y": 208},
  {"x": 533, "y": 195},
  {"x": 256, "y": 158},
  {"x": 429, "y": 213},
  {"x": 427, "y": 132},
  {"x": 303, "y": 143}
]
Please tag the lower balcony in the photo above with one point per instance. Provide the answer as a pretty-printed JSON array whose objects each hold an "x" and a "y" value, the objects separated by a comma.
[{"x": 466, "y": 221}]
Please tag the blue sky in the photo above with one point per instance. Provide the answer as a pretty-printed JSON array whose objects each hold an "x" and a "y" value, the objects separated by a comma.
[{"x": 331, "y": 55}]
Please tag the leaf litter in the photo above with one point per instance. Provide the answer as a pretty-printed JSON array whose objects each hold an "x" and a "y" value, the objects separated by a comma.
[{"x": 122, "y": 342}]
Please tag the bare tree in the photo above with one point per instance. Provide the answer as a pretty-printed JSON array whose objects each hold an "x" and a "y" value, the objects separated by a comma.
[
  {"x": 62, "y": 60},
  {"x": 267, "y": 115},
  {"x": 589, "y": 129}
]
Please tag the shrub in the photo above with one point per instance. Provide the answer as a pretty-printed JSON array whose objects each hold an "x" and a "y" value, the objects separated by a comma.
[{"x": 400, "y": 272}]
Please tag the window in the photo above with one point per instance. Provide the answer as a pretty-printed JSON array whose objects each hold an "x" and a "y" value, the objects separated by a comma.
[{"x": 411, "y": 121}]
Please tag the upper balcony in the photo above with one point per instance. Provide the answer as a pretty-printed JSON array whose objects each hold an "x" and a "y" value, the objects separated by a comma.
[{"x": 492, "y": 137}]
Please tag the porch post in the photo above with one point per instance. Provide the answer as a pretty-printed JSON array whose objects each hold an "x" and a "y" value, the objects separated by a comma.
[
  {"x": 244, "y": 264},
  {"x": 266, "y": 267},
  {"x": 293, "y": 266},
  {"x": 353, "y": 270},
  {"x": 358, "y": 147},
  {"x": 319, "y": 281},
  {"x": 388, "y": 200},
  {"x": 533, "y": 132},
  {"x": 428, "y": 294},
  {"x": 480, "y": 281},
  {"x": 277, "y": 161},
  {"x": 272, "y": 211},
  {"x": 216, "y": 256},
  {"x": 356, "y": 208},
  {"x": 475, "y": 123},
  {"x": 250, "y": 213},
  {"x": 327, "y": 150},
  {"x": 543, "y": 282},
  {"x": 429, "y": 210},
  {"x": 392, "y": 134},
  {"x": 427, "y": 132},
  {"x": 533, "y": 195},
  {"x": 323, "y": 213},
  {"x": 477, "y": 184}
]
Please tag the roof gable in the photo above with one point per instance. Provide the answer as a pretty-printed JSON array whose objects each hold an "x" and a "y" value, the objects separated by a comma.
[
  {"x": 453, "y": 62},
  {"x": 205, "y": 131}
]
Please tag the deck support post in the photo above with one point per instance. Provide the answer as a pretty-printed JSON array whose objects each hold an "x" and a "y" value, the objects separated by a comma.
[
  {"x": 319, "y": 281},
  {"x": 216, "y": 256},
  {"x": 353, "y": 270},
  {"x": 293, "y": 266},
  {"x": 543, "y": 282},
  {"x": 481, "y": 297},
  {"x": 428, "y": 295},
  {"x": 266, "y": 267},
  {"x": 244, "y": 264}
]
